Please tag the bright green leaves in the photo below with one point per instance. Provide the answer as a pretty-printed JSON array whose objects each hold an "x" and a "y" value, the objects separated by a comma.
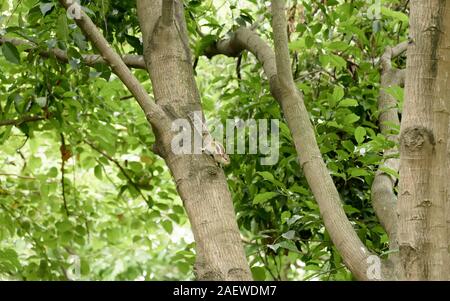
[
  {"x": 98, "y": 172},
  {"x": 62, "y": 31},
  {"x": 338, "y": 94},
  {"x": 360, "y": 134},
  {"x": 258, "y": 273},
  {"x": 168, "y": 226},
  {"x": 333, "y": 61},
  {"x": 348, "y": 102},
  {"x": 395, "y": 15},
  {"x": 269, "y": 177},
  {"x": 204, "y": 43},
  {"x": 9, "y": 261},
  {"x": 11, "y": 53},
  {"x": 264, "y": 197}
]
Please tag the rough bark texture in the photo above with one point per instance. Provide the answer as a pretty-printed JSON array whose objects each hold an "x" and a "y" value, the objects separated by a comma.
[
  {"x": 423, "y": 192},
  {"x": 200, "y": 182}
]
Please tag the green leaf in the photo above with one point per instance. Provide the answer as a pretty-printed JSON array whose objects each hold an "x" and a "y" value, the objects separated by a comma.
[
  {"x": 46, "y": 7},
  {"x": 289, "y": 235},
  {"x": 396, "y": 92},
  {"x": 84, "y": 267},
  {"x": 351, "y": 118},
  {"x": 389, "y": 171},
  {"x": 178, "y": 209},
  {"x": 167, "y": 225},
  {"x": 293, "y": 219},
  {"x": 338, "y": 93},
  {"x": 41, "y": 101},
  {"x": 259, "y": 273},
  {"x": 358, "y": 172},
  {"x": 360, "y": 134},
  {"x": 11, "y": 53},
  {"x": 285, "y": 216},
  {"x": 350, "y": 209},
  {"x": 274, "y": 247},
  {"x": 396, "y": 15},
  {"x": 62, "y": 31},
  {"x": 299, "y": 189},
  {"x": 338, "y": 45},
  {"x": 269, "y": 177},
  {"x": 266, "y": 175},
  {"x": 289, "y": 245},
  {"x": 98, "y": 172},
  {"x": 264, "y": 197},
  {"x": 297, "y": 44},
  {"x": 337, "y": 61},
  {"x": 348, "y": 102}
]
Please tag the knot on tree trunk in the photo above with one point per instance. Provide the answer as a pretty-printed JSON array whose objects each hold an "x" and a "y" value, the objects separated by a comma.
[{"x": 417, "y": 139}]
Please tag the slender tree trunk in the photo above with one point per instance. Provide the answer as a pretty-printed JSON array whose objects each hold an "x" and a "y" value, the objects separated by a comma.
[
  {"x": 423, "y": 189},
  {"x": 200, "y": 182}
]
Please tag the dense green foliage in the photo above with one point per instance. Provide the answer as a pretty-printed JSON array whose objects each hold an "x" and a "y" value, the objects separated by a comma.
[{"x": 82, "y": 188}]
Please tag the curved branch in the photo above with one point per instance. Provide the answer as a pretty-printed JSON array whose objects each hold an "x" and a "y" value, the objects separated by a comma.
[
  {"x": 391, "y": 53},
  {"x": 153, "y": 112},
  {"x": 246, "y": 39},
  {"x": 285, "y": 92}
]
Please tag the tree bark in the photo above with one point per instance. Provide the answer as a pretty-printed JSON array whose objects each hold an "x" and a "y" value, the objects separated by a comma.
[
  {"x": 200, "y": 182},
  {"x": 422, "y": 203}
]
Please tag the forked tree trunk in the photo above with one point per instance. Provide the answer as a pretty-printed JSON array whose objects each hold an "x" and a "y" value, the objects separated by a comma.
[
  {"x": 423, "y": 205},
  {"x": 200, "y": 182}
]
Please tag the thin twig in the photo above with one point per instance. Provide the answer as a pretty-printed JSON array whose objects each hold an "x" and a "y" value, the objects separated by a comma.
[
  {"x": 19, "y": 121},
  {"x": 122, "y": 170},
  {"x": 63, "y": 161},
  {"x": 17, "y": 176}
]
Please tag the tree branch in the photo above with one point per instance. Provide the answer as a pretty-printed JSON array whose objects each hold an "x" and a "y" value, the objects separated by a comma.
[
  {"x": 121, "y": 168},
  {"x": 131, "y": 60},
  {"x": 19, "y": 121},
  {"x": 384, "y": 199},
  {"x": 64, "y": 156},
  {"x": 383, "y": 196},
  {"x": 17, "y": 176},
  {"x": 282, "y": 56},
  {"x": 283, "y": 89},
  {"x": 153, "y": 112},
  {"x": 391, "y": 53}
]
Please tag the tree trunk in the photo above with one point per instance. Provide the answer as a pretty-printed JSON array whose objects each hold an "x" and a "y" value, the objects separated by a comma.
[
  {"x": 422, "y": 204},
  {"x": 200, "y": 182}
]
